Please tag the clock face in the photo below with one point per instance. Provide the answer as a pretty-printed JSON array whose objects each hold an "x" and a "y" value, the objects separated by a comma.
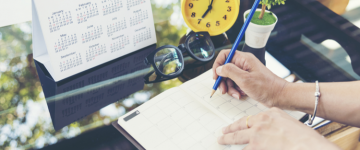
[{"x": 217, "y": 20}]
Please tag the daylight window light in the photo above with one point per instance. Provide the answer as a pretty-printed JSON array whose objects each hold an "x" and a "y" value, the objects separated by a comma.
[
  {"x": 348, "y": 59},
  {"x": 14, "y": 12},
  {"x": 331, "y": 44}
]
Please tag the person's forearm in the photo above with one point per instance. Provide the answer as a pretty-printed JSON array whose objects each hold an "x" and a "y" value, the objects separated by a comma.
[{"x": 339, "y": 101}]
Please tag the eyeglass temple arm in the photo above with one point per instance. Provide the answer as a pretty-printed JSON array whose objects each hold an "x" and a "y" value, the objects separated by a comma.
[
  {"x": 182, "y": 48},
  {"x": 157, "y": 79}
]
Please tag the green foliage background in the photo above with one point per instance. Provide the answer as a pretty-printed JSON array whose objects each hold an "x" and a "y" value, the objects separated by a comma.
[
  {"x": 21, "y": 95},
  {"x": 270, "y": 3}
]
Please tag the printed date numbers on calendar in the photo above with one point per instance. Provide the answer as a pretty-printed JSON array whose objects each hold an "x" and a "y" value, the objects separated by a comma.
[{"x": 59, "y": 19}]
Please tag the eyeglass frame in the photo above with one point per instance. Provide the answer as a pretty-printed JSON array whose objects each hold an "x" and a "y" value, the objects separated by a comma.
[
  {"x": 186, "y": 48},
  {"x": 150, "y": 59}
]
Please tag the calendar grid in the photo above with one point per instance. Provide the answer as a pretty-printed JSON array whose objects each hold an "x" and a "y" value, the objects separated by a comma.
[
  {"x": 64, "y": 28},
  {"x": 142, "y": 36},
  {"x": 138, "y": 17},
  {"x": 119, "y": 44},
  {"x": 95, "y": 51},
  {"x": 186, "y": 118},
  {"x": 70, "y": 62},
  {"x": 64, "y": 42},
  {"x": 93, "y": 34},
  {"x": 133, "y": 3},
  {"x": 232, "y": 108},
  {"x": 111, "y": 6},
  {"x": 116, "y": 27},
  {"x": 86, "y": 11},
  {"x": 59, "y": 19},
  {"x": 173, "y": 117}
]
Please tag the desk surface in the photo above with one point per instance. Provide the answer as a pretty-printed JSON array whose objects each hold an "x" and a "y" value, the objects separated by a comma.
[{"x": 310, "y": 40}]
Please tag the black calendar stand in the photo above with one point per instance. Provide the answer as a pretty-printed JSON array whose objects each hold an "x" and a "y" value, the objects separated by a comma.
[{"x": 83, "y": 80}]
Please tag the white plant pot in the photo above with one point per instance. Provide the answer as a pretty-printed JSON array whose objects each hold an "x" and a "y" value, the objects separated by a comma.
[{"x": 256, "y": 36}]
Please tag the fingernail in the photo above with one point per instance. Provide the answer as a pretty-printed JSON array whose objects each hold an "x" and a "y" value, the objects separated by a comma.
[
  {"x": 223, "y": 129},
  {"x": 235, "y": 96},
  {"x": 218, "y": 70},
  {"x": 218, "y": 138},
  {"x": 242, "y": 93}
]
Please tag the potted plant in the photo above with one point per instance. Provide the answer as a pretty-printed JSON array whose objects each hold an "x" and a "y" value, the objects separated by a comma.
[{"x": 259, "y": 29}]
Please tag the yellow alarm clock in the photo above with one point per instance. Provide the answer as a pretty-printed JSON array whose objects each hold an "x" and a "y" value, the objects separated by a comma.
[{"x": 212, "y": 16}]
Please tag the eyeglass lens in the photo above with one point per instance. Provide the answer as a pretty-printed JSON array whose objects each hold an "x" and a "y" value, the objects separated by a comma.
[
  {"x": 200, "y": 46},
  {"x": 167, "y": 61}
]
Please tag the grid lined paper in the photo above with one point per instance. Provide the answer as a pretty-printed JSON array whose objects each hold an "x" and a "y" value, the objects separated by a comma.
[{"x": 185, "y": 118}]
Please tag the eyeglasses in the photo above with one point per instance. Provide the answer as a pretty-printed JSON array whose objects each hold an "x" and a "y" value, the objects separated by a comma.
[{"x": 168, "y": 61}]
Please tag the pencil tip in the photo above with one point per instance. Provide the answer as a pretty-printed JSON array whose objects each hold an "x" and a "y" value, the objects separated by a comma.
[{"x": 212, "y": 93}]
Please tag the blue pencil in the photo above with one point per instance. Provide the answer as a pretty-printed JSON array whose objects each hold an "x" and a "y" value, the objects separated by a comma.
[{"x": 237, "y": 41}]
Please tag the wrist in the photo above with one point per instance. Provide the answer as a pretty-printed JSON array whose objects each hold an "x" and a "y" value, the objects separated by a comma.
[
  {"x": 280, "y": 99},
  {"x": 297, "y": 96}
]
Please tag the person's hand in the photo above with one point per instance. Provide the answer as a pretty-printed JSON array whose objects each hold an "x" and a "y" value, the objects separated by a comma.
[
  {"x": 273, "y": 129},
  {"x": 247, "y": 75}
]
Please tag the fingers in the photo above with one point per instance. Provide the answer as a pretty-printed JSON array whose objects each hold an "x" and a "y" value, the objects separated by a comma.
[
  {"x": 232, "y": 89},
  {"x": 238, "y": 125},
  {"x": 220, "y": 60},
  {"x": 247, "y": 147},
  {"x": 233, "y": 72},
  {"x": 236, "y": 138},
  {"x": 243, "y": 60},
  {"x": 242, "y": 93},
  {"x": 223, "y": 87}
]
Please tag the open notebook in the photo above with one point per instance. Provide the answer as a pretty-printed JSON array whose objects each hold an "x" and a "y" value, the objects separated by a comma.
[{"x": 185, "y": 117}]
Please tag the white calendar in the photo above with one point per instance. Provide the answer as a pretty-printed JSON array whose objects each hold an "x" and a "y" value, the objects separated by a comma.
[
  {"x": 186, "y": 118},
  {"x": 72, "y": 36}
]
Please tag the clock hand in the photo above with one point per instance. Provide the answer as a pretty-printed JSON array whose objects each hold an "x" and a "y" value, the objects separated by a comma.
[{"x": 209, "y": 8}]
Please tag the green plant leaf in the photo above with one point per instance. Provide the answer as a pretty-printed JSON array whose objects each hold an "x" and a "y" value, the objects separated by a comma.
[{"x": 269, "y": 3}]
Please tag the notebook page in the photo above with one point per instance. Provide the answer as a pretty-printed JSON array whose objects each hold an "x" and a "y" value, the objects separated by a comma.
[
  {"x": 173, "y": 120},
  {"x": 225, "y": 106}
]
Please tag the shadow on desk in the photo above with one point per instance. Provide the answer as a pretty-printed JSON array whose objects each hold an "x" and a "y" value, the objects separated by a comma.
[{"x": 103, "y": 138}]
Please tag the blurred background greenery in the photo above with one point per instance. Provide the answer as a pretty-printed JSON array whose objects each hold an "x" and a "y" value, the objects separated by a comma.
[{"x": 25, "y": 122}]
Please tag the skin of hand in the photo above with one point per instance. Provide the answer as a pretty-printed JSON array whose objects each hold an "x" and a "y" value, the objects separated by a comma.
[
  {"x": 246, "y": 74},
  {"x": 339, "y": 101},
  {"x": 273, "y": 129}
]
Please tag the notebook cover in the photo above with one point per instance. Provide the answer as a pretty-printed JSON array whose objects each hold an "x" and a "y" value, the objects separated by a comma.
[{"x": 127, "y": 135}]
